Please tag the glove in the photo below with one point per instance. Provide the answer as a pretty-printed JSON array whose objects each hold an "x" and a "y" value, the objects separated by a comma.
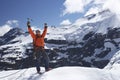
[
  {"x": 28, "y": 23},
  {"x": 45, "y": 24}
]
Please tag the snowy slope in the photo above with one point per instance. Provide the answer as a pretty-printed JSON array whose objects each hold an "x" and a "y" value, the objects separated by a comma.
[
  {"x": 114, "y": 62},
  {"x": 62, "y": 73}
]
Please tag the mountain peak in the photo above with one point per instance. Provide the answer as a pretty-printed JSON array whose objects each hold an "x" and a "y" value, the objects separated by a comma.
[
  {"x": 14, "y": 31},
  {"x": 10, "y": 35}
]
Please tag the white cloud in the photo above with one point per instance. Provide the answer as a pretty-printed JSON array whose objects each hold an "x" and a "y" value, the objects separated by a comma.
[
  {"x": 13, "y": 23},
  {"x": 78, "y": 6},
  {"x": 75, "y": 6},
  {"x": 65, "y": 22},
  {"x": 113, "y": 5}
]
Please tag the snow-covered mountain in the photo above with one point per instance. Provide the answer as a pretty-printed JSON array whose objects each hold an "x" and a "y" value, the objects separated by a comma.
[{"x": 91, "y": 41}]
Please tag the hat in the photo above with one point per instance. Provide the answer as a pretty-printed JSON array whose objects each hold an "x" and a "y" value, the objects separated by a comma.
[{"x": 37, "y": 31}]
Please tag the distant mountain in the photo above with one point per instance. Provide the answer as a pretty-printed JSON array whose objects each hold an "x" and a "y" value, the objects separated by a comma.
[{"x": 10, "y": 35}]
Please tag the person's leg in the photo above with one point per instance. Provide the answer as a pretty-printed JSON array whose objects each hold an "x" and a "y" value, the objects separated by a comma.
[
  {"x": 46, "y": 60},
  {"x": 37, "y": 64},
  {"x": 38, "y": 60}
]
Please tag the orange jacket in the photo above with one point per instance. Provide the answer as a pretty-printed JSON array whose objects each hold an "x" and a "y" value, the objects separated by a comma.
[{"x": 38, "y": 39}]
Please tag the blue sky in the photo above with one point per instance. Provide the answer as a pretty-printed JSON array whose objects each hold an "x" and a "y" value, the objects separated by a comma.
[
  {"x": 50, "y": 11},
  {"x": 40, "y": 11}
]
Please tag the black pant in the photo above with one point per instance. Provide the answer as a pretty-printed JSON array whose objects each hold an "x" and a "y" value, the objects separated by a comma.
[{"x": 41, "y": 57}]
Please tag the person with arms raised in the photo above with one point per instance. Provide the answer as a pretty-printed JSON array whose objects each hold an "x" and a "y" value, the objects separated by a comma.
[{"x": 39, "y": 50}]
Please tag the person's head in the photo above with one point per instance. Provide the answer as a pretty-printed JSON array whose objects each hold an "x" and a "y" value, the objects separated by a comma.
[{"x": 37, "y": 31}]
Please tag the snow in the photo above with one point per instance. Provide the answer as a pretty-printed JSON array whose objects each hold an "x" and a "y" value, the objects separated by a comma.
[
  {"x": 17, "y": 49},
  {"x": 63, "y": 73},
  {"x": 93, "y": 10},
  {"x": 113, "y": 50},
  {"x": 4, "y": 29},
  {"x": 22, "y": 74},
  {"x": 114, "y": 62},
  {"x": 61, "y": 55},
  {"x": 23, "y": 39}
]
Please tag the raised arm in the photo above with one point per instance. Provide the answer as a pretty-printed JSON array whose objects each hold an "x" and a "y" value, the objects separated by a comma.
[
  {"x": 30, "y": 30},
  {"x": 45, "y": 30}
]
